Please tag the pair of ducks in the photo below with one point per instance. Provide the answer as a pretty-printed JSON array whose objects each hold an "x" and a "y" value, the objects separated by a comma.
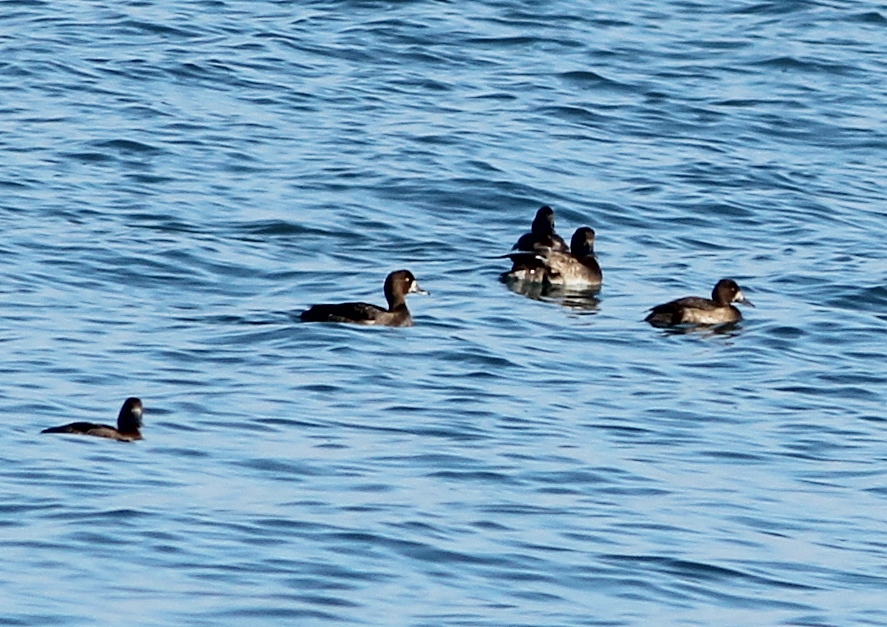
[
  {"x": 397, "y": 286},
  {"x": 542, "y": 256}
]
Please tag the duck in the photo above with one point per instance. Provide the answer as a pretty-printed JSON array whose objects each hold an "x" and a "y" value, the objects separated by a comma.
[
  {"x": 541, "y": 233},
  {"x": 702, "y": 311},
  {"x": 397, "y": 285},
  {"x": 578, "y": 268},
  {"x": 129, "y": 420}
]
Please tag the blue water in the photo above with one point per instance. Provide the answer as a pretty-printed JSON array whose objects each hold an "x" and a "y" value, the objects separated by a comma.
[{"x": 179, "y": 180}]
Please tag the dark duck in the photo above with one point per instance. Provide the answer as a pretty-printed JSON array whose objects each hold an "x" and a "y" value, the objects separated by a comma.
[
  {"x": 397, "y": 285},
  {"x": 701, "y": 311},
  {"x": 129, "y": 421}
]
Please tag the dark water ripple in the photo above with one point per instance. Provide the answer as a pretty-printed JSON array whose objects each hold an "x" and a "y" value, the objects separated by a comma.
[{"x": 180, "y": 180}]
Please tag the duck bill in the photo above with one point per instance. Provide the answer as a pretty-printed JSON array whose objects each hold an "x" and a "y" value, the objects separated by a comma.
[
  {"x": 415, "y": 289},
  {"x": 740, "y": 298}
]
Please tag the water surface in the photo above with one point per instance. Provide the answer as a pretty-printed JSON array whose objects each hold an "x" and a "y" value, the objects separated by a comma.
[{"x": 181, "y": 179}]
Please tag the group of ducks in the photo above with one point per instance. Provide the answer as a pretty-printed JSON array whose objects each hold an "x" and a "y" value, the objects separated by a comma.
[
  {"x": 542, "y": 257},
  {"x": 539, "y": 257}
]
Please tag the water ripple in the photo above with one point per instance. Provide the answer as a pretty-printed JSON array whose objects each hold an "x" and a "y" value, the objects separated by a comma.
[{"x": 182, "y": 181}]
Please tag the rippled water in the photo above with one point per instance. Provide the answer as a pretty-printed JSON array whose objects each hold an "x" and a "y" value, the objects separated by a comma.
[{"x": 180, "y": 179}]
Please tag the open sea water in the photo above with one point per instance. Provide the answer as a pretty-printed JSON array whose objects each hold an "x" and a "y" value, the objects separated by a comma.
[{"x": 179, "y": 179}]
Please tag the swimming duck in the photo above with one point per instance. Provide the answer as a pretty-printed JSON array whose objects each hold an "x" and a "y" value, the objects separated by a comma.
[
  {"x": 542, "y": 233},
  {"x": 698, "y": 310},
  {"x": 128, "y": 422},
  {"x": 397, "y": 285},
  {"x": 579, "y": 267}
]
